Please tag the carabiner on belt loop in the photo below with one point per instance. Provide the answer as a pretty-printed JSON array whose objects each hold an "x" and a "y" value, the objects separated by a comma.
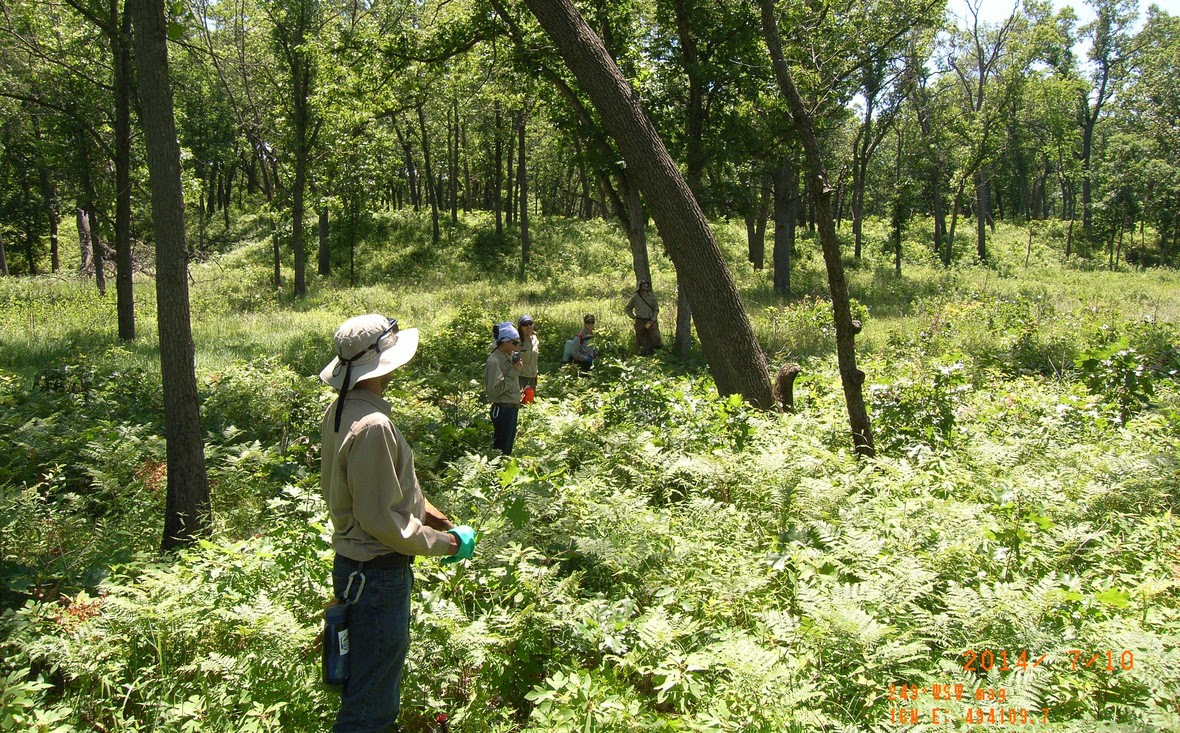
[{"x": 360, "y": 588}]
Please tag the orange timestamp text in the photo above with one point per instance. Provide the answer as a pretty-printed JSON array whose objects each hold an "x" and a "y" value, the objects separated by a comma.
[
  {"x": 985, "y": 660},
  {"x": 973, "y": 716}
]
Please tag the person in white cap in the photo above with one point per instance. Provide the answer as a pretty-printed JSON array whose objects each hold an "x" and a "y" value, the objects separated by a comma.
[
  {"x": 502, "y": 380},
  {"x": 530, "y": 351},
  {"x": 380, "y": 519}
]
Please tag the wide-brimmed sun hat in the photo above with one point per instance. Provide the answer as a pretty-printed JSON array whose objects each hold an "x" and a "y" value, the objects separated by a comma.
[{"x": 367, "y": 346}]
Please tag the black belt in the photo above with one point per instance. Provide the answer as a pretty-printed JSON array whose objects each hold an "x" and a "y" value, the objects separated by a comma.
[
  {"x": 506, "y": 404},
  {"x": 382, "y": 562}
]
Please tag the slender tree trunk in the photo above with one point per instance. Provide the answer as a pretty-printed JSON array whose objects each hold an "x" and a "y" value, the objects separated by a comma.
[
  {"x": 86, "y": 264},
  {"x": 325, "y": 253},
  {"x": 31, "y": 251},
  {"x": 411, "y": 168},
  {"x": 467, "y": 189},
  {"x": 276, "y": 250},
  {"x": 187, "y": 511},
  {"x": 99, "y": 249},
  {"x": 498, "y": 195},
  {"x": 1068, "y": 239},
  {"x": 120, "y": 38},
  {"x": 756, "y": 234},
  {"x": 3, "y": 259},
  {"x": 981, "y": 214},
  {"x": 786, "y": 215},
  {"x": 727, "y": 338},
  {"x": 50, "y": 202},
  {"x": 510, "y": 178},
  {"x": 635, "y": 223},
  {"x": 302, "y": 153},
  {"x": 851, "y": 377},
  {"x": 453, "y": 160},
  {"x": 522, "y": 173},
  {"x": 431, "y": 190}
]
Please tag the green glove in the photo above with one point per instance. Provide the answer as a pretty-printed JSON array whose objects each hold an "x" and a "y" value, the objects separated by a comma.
[{"x": 466, "y": 537}]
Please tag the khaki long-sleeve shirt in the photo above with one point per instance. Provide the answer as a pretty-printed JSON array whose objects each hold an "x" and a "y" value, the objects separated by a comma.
[
  {"x": 529, "y": 355},
  {"x": 641, "y": 307},
  {"x": 501, "y": 380},
  {"x": 367, "y": 477}
]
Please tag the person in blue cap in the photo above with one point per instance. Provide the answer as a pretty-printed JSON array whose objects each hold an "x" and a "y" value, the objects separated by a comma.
[{"x": 502, "y": 380}]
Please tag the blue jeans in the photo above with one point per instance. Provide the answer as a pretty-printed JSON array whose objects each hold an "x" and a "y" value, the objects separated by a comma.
[
  {"x": 504, "y": 427},
  {"x": 378, "y": 639}
]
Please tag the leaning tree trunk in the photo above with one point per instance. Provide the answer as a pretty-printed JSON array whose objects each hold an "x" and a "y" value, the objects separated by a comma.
[
  {"x": 187, "y": 512},
  {"x": 850, "y": 376},
  {"x": 727, "y": 338}
]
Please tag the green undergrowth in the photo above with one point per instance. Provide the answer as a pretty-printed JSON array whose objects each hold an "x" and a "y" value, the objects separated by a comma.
[{"x": 655, "y": 557}]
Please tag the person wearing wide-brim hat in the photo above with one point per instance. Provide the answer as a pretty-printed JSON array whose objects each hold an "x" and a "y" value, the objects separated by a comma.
[
  {"x": 502, "y": 381},
  {"x": 644, "y": 309},
  {"x": 380, "y": 519}
]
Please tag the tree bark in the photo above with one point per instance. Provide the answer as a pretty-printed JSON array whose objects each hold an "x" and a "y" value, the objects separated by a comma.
[
  {"x": 431, "y": 189},
  {"x": 851, "y": 377},
  {"x": 981, "y": 214},
  {"x": 325, "y": 253},
  {"x": 786, "y": 215},
  {"x": 120, "y": 38},
  {"x": 522, "y": 173},
  {"x": 3, "y": 259},
  {"x": 498, "y": 194},
  {"x": 187, "y": 512},
  {"x": 86, "y": 265},
  {"x": 756, "y": 224},
  {"x": 99, "y": 250},
  {"x": 727, "y": 338}
]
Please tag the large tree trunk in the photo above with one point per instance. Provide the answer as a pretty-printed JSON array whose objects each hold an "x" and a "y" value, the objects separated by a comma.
[
  {"x": 522, "y": 173},
  {"x": 851, "y": 377},
  {"x": 120, "y": 37},
  {"x": 727, "y": 338},
  {"x": 187, "y": 512}
]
